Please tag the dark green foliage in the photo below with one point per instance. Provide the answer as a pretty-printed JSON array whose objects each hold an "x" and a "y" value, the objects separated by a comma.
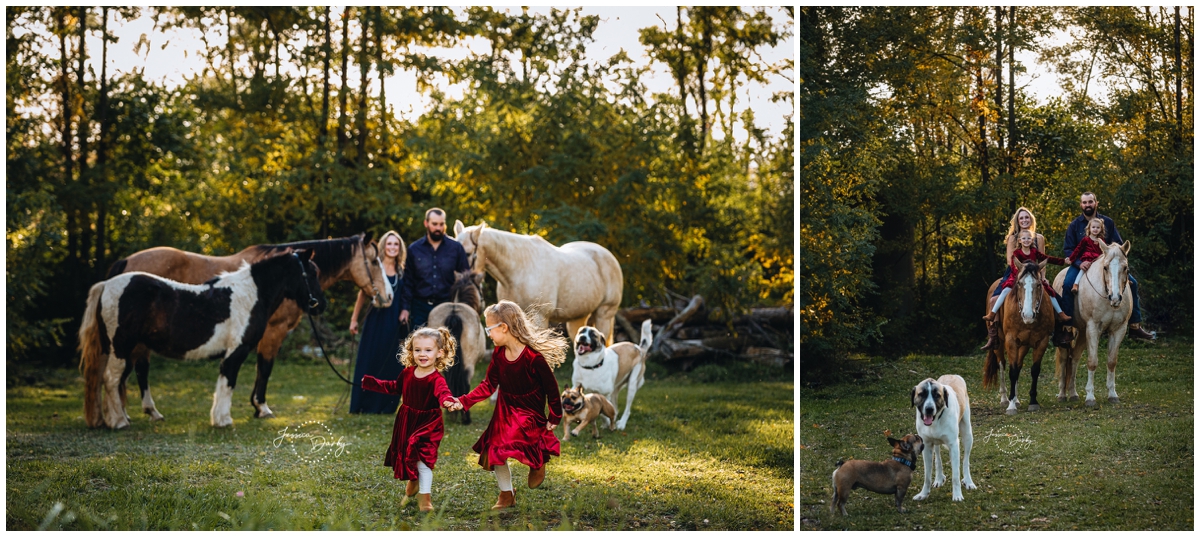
[
  {"x": 913, "y": 159},
  {"x": 267, "y": 145}
]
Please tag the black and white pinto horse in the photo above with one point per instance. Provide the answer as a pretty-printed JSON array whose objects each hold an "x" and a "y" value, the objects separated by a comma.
[{"x": 224, "y": 317}]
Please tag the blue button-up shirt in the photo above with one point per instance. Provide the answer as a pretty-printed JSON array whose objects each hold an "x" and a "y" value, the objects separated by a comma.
[
  {"x": 429, "y": 273},
  {"x": 1078, "y": 229}
]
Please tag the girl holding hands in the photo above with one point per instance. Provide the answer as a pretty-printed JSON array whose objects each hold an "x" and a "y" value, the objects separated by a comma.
[
  {"x": 418, "y": 429},
  {"x": 521, "y": 368}
]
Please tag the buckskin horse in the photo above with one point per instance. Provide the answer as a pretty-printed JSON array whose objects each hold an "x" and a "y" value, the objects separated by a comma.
[
  {"x": 1026, "y": 323},
  {"x": 354, "y": 258},
  {"x": 225, "y": 317},
  {"x": 572, "y": 282},
  {"x": 1102, "y": 306}
]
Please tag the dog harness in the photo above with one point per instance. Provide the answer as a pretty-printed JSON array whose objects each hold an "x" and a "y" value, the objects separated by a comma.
[
  {"x": 910, "y": 464},
  {"x": 595, "y": 366}
]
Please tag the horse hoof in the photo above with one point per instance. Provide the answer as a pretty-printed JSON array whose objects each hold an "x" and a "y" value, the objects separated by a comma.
[
  {"x": 1114, "y": 399},
  {"x": 1062, "y": 398},
  {"x": 1074, "y": 397},
  {"x": 1011, "y": 412},
  {"x": 1034, "y": 408},
  {"x": 1089, "y": 403},
  {"x": 265, "y": 415}
]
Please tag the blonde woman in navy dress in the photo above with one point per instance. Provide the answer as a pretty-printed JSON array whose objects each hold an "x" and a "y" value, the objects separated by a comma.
[{"x": 380, "y": 335}]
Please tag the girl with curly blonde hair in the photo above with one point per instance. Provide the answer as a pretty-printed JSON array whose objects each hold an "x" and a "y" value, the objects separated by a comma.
[
  {"x": 418, "y": 430},
  {"x": 521, "y": 369}
]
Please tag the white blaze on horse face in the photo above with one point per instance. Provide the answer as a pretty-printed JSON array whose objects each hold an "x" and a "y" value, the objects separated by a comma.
[
  {"x": 387, "y": 289},
  {"x": 1114, "y": 275},
  {"x": 1027, "y": 309}
]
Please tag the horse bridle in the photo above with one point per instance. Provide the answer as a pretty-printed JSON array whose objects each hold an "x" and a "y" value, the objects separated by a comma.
[
  {"x": 367, "y": 267},
  {"x": 1107, "y": 292},
  {"x": 312, "y": 299}
]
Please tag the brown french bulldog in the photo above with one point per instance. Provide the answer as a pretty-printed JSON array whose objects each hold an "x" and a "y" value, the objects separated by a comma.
[
  {"x": 585, "y": 408},
  {"x": 888, "y": 477}
]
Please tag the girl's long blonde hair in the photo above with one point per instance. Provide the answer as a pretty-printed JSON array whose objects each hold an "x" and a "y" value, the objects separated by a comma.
[
  {"x": 445, "y": 343},
  {"x": 546, "y": 342},
  {"x": 1014, "y": 228}
]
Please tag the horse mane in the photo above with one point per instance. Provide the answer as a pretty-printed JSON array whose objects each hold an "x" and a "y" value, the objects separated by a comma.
[
  {"x": 332, "y": 255},
  {"x": 1028, "y": 267},
  {"x": 464, "y": 291}
]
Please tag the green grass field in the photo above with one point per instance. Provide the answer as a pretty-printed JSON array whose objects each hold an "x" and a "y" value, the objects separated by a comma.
[
  {"x": 1125, "y": 466},
  {"x": 695, "y": 456}
]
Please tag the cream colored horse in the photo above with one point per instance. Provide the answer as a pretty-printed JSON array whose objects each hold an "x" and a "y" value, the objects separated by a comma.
[
  {"x": 569, "y": 283},
  {"x": 1102, "y": 306}
]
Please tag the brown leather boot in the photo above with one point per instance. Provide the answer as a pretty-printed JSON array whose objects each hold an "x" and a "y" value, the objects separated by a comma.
[
  {"x": 990, "y": 317},
  {"x": 1062, "y": 317},
  {"x": 425, "y": 502},
  {"x": 505, "y": 500},
  {"x": 1137, "y": 331},
  {"x": 411, "y": 488},
  {"x": 536, "y": 476},
  {"x": 993, "y": 337}
]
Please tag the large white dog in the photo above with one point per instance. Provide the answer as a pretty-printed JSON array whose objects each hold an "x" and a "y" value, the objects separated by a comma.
[
  {"x": 604, "y": 370},
  {"x": 943, "y": 415}
]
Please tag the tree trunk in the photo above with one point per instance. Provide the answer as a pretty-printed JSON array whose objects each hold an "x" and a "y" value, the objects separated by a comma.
[
  {"x": 383, "y": 109},
  {"x": 1178, "y": 89},
  {"x": 102, "y": 152},
  {"x": 229, "y": 51},
  {"x": 675, "y": 324},
  {"x": 65, "y": 135},
  {"x": 703, "y": 52},
  {"x": 364, "y": 68},
  {"x": 998, "y": 73},
  {"x": 341, "y": 134},
  {"x": 82, "y": 132},
  {"x": 1009, "y": 162},
  {"x": 323, "y": 128}
]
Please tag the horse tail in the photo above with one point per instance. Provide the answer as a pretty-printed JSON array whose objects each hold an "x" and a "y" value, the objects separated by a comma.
[
  {"x": 1060, "y": 356},
  {"x": 991, "y": 368},
  {"x": 458, "y": 383},
  {"x": 93, "y": 360},
  {"x": 118, "y": 267}
]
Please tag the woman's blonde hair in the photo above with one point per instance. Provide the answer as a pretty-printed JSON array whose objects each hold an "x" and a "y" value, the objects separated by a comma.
[
  {"x": 445, "y": 343},
  {"x": 400, "y": 256},
  {"x": 546, "y": 342},
  {"x": 1014, "y": 228}
]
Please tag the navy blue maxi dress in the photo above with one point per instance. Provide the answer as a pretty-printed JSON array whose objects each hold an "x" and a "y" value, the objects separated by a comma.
[{"x": 377, "y": 348}]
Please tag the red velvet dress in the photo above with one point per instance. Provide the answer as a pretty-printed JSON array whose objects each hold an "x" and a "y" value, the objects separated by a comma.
[
  {"x": 418, "y": 429},
  {"x": 1086, "y": 250},
  {"x": 518, "y": 426},
  {"x": 1035, "y": 256}
]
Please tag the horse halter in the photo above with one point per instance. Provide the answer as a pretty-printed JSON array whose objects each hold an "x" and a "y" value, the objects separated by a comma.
[
  {"x": 312, "y": 299},
  {"x": 367, "y": 267}
]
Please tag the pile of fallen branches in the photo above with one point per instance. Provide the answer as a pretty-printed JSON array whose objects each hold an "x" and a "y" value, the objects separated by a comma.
[{"x": 688, "y": 333}]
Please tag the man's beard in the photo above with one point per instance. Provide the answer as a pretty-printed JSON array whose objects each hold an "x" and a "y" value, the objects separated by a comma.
[
  {"x": 437, "y": 236},
  {"x": 1089, "y": 212}
]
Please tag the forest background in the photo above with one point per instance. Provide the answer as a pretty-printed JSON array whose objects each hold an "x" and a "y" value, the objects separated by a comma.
[
  {"x": 917, "y": 147},
  {"x": 274, "y": 142}
]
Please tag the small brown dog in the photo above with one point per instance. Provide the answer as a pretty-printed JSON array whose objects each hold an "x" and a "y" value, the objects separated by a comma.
[
  {"x": 887, "y": 477},
  {"x": 585, "y": 408}
]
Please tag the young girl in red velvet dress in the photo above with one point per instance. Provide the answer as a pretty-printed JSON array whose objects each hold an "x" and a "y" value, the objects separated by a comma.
[
  {"x": 1028, "y": 253},
  {"x": 521, "y": 369},
  {"x": 1088, "y": 250},
  {"x": 418, "y": 428}
]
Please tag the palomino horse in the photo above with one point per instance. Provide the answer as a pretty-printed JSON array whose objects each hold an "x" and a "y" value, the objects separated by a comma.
[
  {"x": 354, "y": 258},
  {"x": 1102, "y": 306},
  {"x": 461, "y": 317},
  {"x": 1027, "y": 321},
  {"x": 575, "y": 281},
  {"x": 224, "y": 317}
]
